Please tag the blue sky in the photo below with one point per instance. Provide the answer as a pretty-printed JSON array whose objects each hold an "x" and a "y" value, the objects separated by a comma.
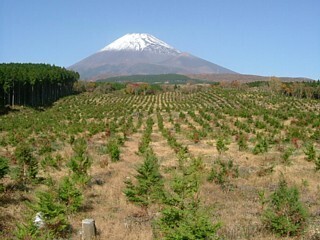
[{"x": 271, "y": 37}]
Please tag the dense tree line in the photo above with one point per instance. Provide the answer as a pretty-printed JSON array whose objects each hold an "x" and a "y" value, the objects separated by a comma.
[
  {"x": 97, "y": 87},
  {"x": 140, "y": 88},
  {"x": 152, "y": 79},
  {"x": 309, "y": 90},
  {"x": 34, "y": 84}
]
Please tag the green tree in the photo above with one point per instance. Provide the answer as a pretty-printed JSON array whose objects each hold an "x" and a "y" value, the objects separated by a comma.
[
  {"x": 188, "y": 223},
  {"x": 317, "y": 162},
  {"x": 285, "y": 214},
  {"x": 222, "y": 172},
  {"x": 4, "y": 167},
  {"x": 34, "y": 84},
  {"x": 53, "y": 214},
  {"x": 310, "y": 152},
  {"x": 113, "y": 150},
  {"x": 183, "y": 217},
  {"x": 69, "y": 195},
  {"x": 80, "y": 162},
  {"x": 27, "y": 163},
  {"x": 221, "y": 145},
  {"x": 262, "y": 146},
  {"x": 149, "y": 186},
  {"x": 242, "y": 142}
]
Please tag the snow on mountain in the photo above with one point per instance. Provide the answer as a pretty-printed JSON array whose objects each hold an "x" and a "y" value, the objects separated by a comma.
[
  {"x": 141, "y": 53},
  {"x": 141, "y": 42}
]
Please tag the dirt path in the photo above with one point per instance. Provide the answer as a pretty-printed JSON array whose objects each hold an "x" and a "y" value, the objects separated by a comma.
[
  {"x": 115, "y": 217},
  {"x": 165, "y": 154}
]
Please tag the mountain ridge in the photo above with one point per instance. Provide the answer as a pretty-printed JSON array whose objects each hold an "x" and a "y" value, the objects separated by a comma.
[{"x": 141, "y": 53}]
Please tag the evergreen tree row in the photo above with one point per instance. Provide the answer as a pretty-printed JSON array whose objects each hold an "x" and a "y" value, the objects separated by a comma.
[{"x": 34, "y": 84}]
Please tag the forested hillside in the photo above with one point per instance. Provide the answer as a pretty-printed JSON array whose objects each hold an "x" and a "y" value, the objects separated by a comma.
[
  {"x": 159, "y": 78},
  {"x": 34, "y": 84}
]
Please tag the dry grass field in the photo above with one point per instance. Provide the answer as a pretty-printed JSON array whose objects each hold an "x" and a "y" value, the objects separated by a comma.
[{"x": 234, "y": 145}]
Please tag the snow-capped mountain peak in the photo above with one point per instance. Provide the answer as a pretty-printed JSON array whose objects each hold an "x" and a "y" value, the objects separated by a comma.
[
  {"x": 141, "y": 53},
  {"x": 140, "y": 42}
]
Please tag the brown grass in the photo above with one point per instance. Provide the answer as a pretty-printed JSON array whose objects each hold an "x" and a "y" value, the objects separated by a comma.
[
  {"x": 238, "y": 209},
  {"x": 115, "y": 217}
]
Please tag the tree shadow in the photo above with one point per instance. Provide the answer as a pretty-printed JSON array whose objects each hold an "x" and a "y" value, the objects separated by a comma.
[
  {"x": 7, "y": 109},
  {"x": 40, "y": 108}
]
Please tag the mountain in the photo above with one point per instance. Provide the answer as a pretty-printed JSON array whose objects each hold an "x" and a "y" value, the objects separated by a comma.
[{"x": 140, "y": 53}]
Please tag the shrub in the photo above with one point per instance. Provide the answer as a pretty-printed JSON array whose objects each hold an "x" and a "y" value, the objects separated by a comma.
[
  {"x": 53, "y": 214},
  {"x": 45, "y": 148},
  {"x": 285, "y": 214},
  {"x": 28, "y": 165},
  {"x": 261, "y": 147},
  {"x": 195, "y": 137},
  {"x": 160, "y": 121},
  {"x": 69, "y": 195},
  {"x": 149, "y": 187},
  {"x": 183, "y": 217},
  {"x": 177, "y": 127},
  {"x": 188, "y": 223},
  {"x": 310, "y": 152},
  {"x": 242, "y": 142},
  {"x": 113, "y": 150},
  {"x": 317, "y": 162},
  {"x": 80, "y": 162},
  {"x": 222, "y": 172},
  {"x": 29, "y": 230},
  {"x": 286, "y": 155},
  {"x": 221, "y": 145},
  {"x": 50, "y": 161},
  {"x": 316, "y": 135},
  {"x": 185, "y": 186},
  {"x": 182, "y": 115},
  {"x": 146, "y": 138},
  {"x": 4, "y": 167}
]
